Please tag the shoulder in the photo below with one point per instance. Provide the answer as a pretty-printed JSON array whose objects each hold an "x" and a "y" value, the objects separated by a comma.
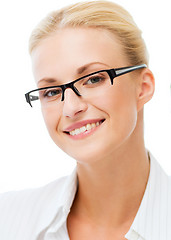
[
  {"x": 24, "y": 213},
  {"x": 31, "y": 195},
  {"x": 160, "y": 196}
]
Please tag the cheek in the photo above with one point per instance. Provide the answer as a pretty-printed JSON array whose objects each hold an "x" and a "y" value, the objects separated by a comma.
[
  {"x": 120, "y": 105},
  {"x": 51, "y": 119},
  {"x": 119, "y": 98},
  {"x": 124, "y": 112}
]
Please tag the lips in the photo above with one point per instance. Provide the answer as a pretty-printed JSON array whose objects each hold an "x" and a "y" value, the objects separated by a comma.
[{"x": 83, "y": 126}]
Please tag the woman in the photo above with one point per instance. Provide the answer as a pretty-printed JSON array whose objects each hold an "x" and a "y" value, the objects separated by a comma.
[{"x": 91, "y": 67}]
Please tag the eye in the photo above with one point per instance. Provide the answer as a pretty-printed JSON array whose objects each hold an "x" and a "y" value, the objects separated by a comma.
[
  {"x": 53, "y": 92},
  {"x": 94, "y": 80}
]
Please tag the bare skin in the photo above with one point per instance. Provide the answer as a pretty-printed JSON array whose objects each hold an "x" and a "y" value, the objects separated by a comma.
[
  {"x": 112, "y": 163},
  {"x": 107, "y": 208}
]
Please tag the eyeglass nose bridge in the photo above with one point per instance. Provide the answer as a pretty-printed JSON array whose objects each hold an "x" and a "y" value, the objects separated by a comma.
[{"x": 69, "y": 85}]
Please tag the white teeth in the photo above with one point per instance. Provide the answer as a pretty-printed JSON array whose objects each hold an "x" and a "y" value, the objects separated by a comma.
[
  {"x": 84, "y": 128},
  {"x": 97, "y": 124},
  {"x": 77, "y": 131},
  {"x": 72, "y": 133},
  {"x": 88, "y": 126}
]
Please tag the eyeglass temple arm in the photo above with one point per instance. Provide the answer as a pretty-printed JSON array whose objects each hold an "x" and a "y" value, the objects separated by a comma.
[
  {"x": 30, "y": 98},
  {"x": 121, "y": 71}
]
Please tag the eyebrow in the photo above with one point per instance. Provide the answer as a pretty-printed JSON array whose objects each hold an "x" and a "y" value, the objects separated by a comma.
[
  {"x": 79, "y": 71},
  {"x": 82, "y": 69}
]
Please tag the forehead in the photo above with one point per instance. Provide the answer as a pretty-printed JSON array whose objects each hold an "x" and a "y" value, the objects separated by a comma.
[{"x": 70, "y": 48}]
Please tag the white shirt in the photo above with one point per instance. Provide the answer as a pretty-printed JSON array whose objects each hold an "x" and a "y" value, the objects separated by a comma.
[{"x": 41, "y": 214}]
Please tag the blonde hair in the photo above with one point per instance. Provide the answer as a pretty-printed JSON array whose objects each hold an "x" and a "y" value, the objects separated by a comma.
[{"x": 98, "y": 14}]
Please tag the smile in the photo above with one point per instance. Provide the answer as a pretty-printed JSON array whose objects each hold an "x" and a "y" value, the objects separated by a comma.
[{"x": 85, "y": 128}]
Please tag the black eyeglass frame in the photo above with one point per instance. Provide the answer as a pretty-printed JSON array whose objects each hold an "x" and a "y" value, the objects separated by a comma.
[{"x": 113, "y": 73}]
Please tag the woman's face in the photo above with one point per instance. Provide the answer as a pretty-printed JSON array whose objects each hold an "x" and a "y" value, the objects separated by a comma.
[{"x": 70, "y": 54}]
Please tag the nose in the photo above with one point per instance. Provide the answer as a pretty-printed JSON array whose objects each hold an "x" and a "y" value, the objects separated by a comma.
[{"x": 73, "y": 104}]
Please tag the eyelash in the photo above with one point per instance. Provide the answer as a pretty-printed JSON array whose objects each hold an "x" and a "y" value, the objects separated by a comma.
[
  {"x": 95, "y": 77},
  {"x": 45, "y": 94}
]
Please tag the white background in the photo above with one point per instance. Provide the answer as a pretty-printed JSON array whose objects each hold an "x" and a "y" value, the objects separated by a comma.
[{"x": 29, "y": 158}]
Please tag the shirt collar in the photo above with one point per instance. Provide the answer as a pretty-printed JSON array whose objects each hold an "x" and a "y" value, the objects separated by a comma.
[
  {"x": 61, "y": 195},
  {"x": 151, "y": 219},
  {"x": 69, "y": 191}
]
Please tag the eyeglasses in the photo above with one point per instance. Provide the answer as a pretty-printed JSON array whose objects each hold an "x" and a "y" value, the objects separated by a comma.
[{"x": 88, "y": 86}]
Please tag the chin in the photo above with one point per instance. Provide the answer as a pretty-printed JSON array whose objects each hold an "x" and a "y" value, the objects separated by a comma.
[{"x": 92, "y": 152}]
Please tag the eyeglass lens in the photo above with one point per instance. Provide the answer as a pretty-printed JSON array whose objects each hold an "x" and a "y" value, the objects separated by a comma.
[{"x": 88, "y": 87}]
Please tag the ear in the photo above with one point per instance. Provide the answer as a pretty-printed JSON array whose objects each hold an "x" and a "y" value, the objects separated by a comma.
[{"x": 145, "y": 89}]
